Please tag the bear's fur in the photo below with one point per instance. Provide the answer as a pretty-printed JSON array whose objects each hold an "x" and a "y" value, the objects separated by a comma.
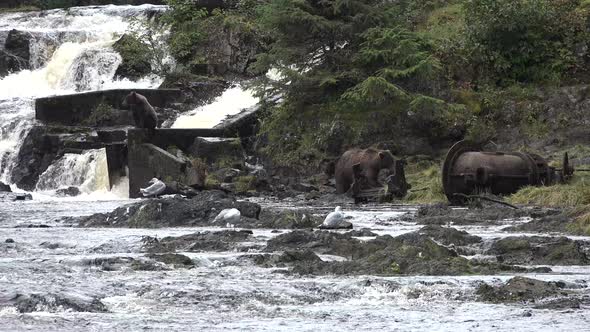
[
  {"x": 371, "y": 162},
  {"x": 144, "y": 114}
]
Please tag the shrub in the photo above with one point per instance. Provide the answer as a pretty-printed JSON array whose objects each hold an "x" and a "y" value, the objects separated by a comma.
[{"x": 526, "y": 40}]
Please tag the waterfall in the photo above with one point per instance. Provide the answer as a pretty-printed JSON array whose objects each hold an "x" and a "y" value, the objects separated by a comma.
[
  {"x": 231, "y": 102},
  {"x": 70, "y": 52},
  {"x": 88, "y": 171}
]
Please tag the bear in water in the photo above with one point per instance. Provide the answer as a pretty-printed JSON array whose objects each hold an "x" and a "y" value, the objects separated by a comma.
[
  {"x": 369, "y": 162},
  {"x": 144, "y": 114}
]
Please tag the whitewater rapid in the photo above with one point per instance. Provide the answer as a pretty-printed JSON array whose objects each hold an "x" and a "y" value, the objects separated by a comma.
[{"x": 70, "y": 52}]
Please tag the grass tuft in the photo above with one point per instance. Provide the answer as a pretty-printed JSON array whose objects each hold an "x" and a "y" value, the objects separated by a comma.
[{"x": 425, "y": 178}]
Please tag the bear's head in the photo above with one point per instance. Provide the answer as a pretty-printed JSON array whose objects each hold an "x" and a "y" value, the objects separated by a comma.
[
  {"x": 130, "y": 99},
  {"x": 386, "y": 160}
]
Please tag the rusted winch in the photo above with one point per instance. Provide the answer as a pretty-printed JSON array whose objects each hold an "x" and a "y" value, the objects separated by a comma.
[{"x": 467, "y": 171}]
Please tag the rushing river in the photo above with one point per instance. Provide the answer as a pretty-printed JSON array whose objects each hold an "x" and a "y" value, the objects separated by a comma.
[{"x": 43, "y": 255}]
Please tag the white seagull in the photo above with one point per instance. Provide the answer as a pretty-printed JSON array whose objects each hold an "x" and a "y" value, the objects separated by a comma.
[
  {"x": 157, "y": 187},
  {"x": 230, "y": 216},
  {"x": 334, "y": 219}
]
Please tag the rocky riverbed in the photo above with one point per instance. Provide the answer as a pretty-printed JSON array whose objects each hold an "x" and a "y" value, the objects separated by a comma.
[{"x": 164, "y": 263}]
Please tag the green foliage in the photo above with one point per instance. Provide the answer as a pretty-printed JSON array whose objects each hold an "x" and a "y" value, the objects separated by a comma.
[
  {"x": 526, "y": 40},
  {"x": 184, "y": 19},
  {"x": 146, "y": 44},
  {"x": 101, "y": 115},
  {"x": 348, "y": 60},
  {"x": 193, "y": 30}
]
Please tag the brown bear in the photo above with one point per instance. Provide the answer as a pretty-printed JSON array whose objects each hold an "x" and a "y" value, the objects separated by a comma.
[
  {"x": 371, "y": 161},
  {"x": 144, "y": 114}
]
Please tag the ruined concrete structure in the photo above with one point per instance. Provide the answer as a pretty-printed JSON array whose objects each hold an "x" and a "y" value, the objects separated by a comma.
[{"x": 172, "y": 155}]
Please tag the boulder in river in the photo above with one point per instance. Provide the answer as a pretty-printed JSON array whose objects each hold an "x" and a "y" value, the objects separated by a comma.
[
  {"x": 521, "y": 289},
  {"x": 538, "y": 250},
  {"x": 411, "y": 253},
  {"x": 15, "y": 56},
  {"x": 4, "y": 187},
  {"x": 52, "y": 302},
  {"x": 200, "y": 210},
  {"x": 197, "y": 242},
  {"x": 68, "y": 192}
]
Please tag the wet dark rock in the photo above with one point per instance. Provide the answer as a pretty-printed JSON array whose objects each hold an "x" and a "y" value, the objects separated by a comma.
[
  {"x": 173, "y": 212},
  {"x": 322, "y": 242},
  {"x": 10, "y": 196},
  {"x": 561, "y": 304},
  {"x": 448, "y": 235},
  {"x": 68, "y": 192},
  {"x": 289, "y": 219},
  {"x": 365, "y": 232},
  {"x": 4, "y": 187},
  {"x": 15, "y": 55},
  {"x": 434, "y": 210},
  {"x": 148, "y": 265},
  {"x": 557, "y": 223},
  {"x": 49, "y": 245},
  {"x": 288, "y": 257},
  {"x": 52, "y": 302},
  {"x": 32, "y": 226},
  {"x": 227, "y": 174},
  {"x": 304, "y": 187},
  {"x": 538, "y": 250},
  {"x": 204, "y": 241},
  {"x": 411, "y": 253},
  {"x": 342, "y": 225},
  {"x": 520, "y": 289},
  {"x": 37, "y": 152},
  {"x": 172, "y": 259},
  {"x": 9, "y": 240},
  {"x": 110, "y": 263}
]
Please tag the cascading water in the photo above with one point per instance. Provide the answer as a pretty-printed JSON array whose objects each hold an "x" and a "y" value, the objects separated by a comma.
[
  {"x": 87, "y": 171},
  {"x": 70, "y": 52},
  {"x": 232, "y": 101}
]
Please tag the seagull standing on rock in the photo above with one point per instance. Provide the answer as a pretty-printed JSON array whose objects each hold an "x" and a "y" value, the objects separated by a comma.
[
  {"x": 157, "y": 187},
  {"x": 230, "y": 216},
  {"x": 335, "y": 220}
]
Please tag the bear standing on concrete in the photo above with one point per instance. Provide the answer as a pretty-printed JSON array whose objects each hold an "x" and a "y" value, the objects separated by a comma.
[
  {"x": 143, "y": 113},
  {"x": 371, "y": 161}
]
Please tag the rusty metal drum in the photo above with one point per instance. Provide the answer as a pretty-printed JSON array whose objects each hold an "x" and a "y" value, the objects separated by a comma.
[{"x": 467, "y": 170}]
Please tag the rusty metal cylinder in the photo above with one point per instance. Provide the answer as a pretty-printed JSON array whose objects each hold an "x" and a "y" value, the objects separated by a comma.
[{"x": 467, "y": 171}]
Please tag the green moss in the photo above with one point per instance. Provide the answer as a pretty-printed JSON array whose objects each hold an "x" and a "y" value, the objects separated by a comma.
[
  {"x": 245, "y": 183},
  {"x": 212, "y": 182}
]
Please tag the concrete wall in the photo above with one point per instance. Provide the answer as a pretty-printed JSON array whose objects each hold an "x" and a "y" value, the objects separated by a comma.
[{"x": 76, "y": 109}]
